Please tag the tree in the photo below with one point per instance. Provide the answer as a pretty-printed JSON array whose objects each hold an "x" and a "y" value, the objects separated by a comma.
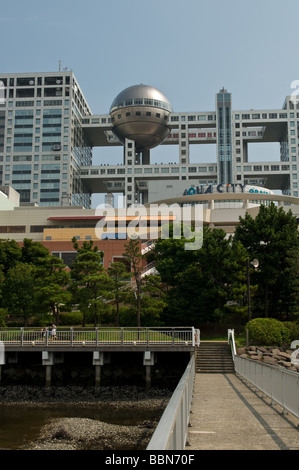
[
  {"x": 153, "y": 300},
  {"x": 10, "y": 254},
  {"x": 19, "y": 290},
  {"x": 90, "y": 285},
  {"x": 201, "y": 282},
  {"x": 52, "y": 282},
  {"x": 272, "y": 237},
  {"x": 134, "y": 256},
  {"x": 170, "y": 257},
  {"x": 33, "y": 252},
  {"x": 118, "y": 273}
]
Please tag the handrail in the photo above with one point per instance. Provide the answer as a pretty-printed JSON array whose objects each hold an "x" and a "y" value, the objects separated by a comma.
[
  {"x": 231, "y": 341},
  {"x": 172, "y": 429},
  {"x": 280, "y": 385},
  {"x": 96, "y": 336}
]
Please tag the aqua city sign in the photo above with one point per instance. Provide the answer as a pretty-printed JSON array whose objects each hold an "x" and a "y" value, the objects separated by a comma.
[{"x": 221, "y": 188}]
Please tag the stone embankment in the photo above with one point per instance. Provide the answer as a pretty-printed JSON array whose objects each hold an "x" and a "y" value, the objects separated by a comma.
[{"x": 271, "y": 355}]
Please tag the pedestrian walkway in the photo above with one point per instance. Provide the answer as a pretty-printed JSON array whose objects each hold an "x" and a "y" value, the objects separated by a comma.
[{"x": 228, "y": 415}]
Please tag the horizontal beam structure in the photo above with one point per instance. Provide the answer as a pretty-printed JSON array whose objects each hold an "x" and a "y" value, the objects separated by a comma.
[
  {"x": 262, "y": 126},
  {"x": 112, "y": 177}
]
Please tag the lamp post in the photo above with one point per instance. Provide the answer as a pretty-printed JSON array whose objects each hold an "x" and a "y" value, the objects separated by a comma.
[{"x": 255, "y": 264}]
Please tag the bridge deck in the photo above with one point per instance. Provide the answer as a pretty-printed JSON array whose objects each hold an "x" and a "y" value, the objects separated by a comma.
[{"x": 228, "y": 415}]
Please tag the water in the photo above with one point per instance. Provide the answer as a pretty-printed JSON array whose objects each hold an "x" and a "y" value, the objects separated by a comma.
[{"x": 20, "y": 425}]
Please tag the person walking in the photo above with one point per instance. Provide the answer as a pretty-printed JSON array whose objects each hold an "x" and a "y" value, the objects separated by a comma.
[{"x": 53, "y": 332}]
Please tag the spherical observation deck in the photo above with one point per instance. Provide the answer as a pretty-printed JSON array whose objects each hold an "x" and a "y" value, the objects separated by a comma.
[{"x": 141, "y": 113}]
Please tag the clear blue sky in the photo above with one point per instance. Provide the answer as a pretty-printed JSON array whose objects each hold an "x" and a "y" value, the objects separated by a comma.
[{"x": 188, "y": 49}]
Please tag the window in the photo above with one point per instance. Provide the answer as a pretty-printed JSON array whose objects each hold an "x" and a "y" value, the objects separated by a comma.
[{"x": 13, "y": 229}]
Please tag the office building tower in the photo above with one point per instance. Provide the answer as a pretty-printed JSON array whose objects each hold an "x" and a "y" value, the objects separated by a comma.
[{"x": 42, "y": 145}]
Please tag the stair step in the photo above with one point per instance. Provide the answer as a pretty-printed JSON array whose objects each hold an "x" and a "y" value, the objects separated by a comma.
[{"x": 213, "y": 357}]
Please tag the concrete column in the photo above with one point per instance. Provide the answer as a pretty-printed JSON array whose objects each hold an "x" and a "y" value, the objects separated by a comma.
[
  {"x": 2, "y": 358},
  {"x": 48, "y": 375},
  {"x": 97, "y": 375},
  {"x": 99, "y": 358},
  {"x": 48, "y": 361},
  {"x": 148, "y": 362},
  {"x": 148, "y": 378}
]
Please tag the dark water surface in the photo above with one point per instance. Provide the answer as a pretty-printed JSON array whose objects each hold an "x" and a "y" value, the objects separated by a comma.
[{"x": 21, "y": 424}]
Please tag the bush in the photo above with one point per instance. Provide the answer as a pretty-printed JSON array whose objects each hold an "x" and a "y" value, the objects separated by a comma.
[
  {"x": 293, "y": 330},
  {"x": 268, "y": 332},
  {"x": 71, "y": 318},
  {"x": 127, "y": 316},
  {"x": 3, "y": 316}
]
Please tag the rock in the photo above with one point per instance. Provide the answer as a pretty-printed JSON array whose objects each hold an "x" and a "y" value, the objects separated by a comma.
[
  {"x": 284, "y": 355},
  {"x": 284, "y": 364},
  {"x": 89, "y": 434},
  {"x": 269, "y": 360},
  {"x": 262, "y": 349},
  {"x": 241, "y": 351}
]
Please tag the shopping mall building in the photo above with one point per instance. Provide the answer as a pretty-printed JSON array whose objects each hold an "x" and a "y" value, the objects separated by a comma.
[{"x": 47, "y": 176}]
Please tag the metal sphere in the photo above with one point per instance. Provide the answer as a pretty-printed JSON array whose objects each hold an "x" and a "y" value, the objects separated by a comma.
[{"x": 141, "y": 113}]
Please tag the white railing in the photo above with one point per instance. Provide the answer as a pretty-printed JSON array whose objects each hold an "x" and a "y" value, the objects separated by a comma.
[
  {"x": 172, "y": 430},
  {"x": 280, "y": 385},
  {"x": 99, "y": 336}
]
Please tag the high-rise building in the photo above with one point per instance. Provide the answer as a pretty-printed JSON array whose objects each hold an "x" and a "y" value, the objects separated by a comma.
[
  {"x": 47, "y": 133},
  {"x": 42, "y": 144}
]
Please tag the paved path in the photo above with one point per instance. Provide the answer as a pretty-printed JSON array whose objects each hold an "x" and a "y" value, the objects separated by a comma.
[{"x": 228, "y": 415}]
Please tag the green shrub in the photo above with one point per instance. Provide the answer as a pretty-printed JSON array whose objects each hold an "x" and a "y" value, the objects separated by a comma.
[
  {"x": 127, "y": 316},
  {"x": 268, "y": 332},
  {"x": 41, "y": 319},
  {"x": 293, "y": 329},
  {"x": 71, "y": 318},
  {"x": 3, "y": 315}
]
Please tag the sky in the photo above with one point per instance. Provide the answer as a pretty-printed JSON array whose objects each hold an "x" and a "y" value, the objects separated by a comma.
[{"x": 187, "y": 49}]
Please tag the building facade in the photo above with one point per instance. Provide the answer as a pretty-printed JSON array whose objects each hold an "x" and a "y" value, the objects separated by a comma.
[
  {"x": 42, "y": 144},
  {"x": 47, "y": 133}
]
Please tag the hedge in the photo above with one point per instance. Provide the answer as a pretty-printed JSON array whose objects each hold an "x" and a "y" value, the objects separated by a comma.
[{"x": 268, "y": 332}]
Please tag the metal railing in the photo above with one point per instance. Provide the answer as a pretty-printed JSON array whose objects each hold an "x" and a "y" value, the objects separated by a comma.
[
  {"x": 280, "y": 385},
  {"x": 99, "y": 336},
  {"x": 172, "y": 430}
]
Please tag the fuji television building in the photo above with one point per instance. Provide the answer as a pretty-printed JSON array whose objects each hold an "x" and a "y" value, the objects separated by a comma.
[{"x": 48, "y": 132}]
